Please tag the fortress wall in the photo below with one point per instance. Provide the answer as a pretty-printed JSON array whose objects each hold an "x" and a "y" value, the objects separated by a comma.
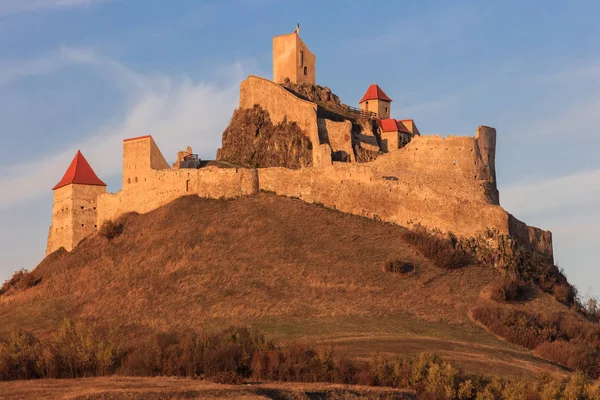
[
  {"x": 358, "y": 191},
  {"x": 436, "y": 154},
  {"x": 337, "y": 134},
  {"x": 532, "y": 238},
  {"x": 281, "y": 105},
  {"x": 364, "y": 134},
  {"x": 160, "y": 187}
]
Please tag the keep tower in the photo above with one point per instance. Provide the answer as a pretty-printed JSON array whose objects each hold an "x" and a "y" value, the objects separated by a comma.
[
  {"x": 293, "y": 60},
  {"x": 74, "y": 210}
]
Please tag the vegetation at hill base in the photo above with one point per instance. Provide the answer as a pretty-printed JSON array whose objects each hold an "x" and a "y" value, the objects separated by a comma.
[{"x": 238, "y": 355}]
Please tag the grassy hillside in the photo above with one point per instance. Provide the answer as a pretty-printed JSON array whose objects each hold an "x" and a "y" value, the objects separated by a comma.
[{"x": 298, "y": 272}]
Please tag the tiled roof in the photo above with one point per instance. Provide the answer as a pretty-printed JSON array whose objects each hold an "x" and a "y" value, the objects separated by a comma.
[
  {"x": 391, "y": 125},
  {"x": 388, "y": 125},
  {"x": 375, "y": 92},
  {"x": 80, "y": 173}
]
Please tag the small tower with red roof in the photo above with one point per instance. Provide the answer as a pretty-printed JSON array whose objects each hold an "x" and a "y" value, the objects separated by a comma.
[
  {"x": 74, "y": 212},
  {"x": 375, "y": 100}
]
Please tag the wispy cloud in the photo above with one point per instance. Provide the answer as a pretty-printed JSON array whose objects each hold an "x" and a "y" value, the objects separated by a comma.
[
  {"x": 19, "y": 6},
  {"x": 65, "y": 56},
  {"x": 176, "y": 111},
  {"x": 573, "y": 192}
]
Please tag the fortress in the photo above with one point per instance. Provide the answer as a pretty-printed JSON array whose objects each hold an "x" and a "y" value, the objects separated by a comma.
[{"x": 295, "y": 138}]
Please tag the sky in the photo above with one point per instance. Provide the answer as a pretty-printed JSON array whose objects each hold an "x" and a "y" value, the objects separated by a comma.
[{"x": 85, "y": 74}]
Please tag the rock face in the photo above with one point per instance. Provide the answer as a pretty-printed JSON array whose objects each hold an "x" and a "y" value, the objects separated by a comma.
[
  {"x": 251, "y": 139},
  {"x": 315, "y": 93}
]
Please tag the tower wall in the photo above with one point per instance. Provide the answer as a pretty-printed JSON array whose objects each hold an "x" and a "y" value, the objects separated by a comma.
[
  {"x": 74, "y": 215},
  {"x": 292, "y": 59},
  {"x": 485, "y": 139},
  {"x": 141, "y": 156},
  {"x": 380, "y": 107}
]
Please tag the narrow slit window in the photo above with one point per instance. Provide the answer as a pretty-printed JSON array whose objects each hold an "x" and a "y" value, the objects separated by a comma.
[{"x": 305, "y": 71}]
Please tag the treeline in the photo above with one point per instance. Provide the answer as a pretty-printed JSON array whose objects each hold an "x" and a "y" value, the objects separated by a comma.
[{"x": 237, "y": 355}]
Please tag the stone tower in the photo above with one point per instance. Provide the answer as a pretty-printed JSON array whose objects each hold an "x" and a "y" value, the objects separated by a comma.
[
  {"x": 292, "y": 59},
  {"x": 375, "y": 100},
  {"x": 74, "y": 210}
]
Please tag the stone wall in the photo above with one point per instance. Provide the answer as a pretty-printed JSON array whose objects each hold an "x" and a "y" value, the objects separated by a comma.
[
  {"x": 281, "y": 105},
  {"x": 338, "y": 135},
  {"x": 147, "y": 188}
]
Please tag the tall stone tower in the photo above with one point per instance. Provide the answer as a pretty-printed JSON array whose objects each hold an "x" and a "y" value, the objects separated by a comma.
[
  {"x": 375, "y": 100},
  {"x": 292, "y": 59},
  {"x": 74, "y": 210}
]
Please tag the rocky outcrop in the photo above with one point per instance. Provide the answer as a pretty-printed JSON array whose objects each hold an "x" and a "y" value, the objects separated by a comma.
[
  {"x": 315, "y": 93},
  {"x": 251, "y": 139}
]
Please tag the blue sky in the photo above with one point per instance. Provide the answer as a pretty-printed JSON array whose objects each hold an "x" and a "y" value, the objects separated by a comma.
[{"x": 88, "y": 73}]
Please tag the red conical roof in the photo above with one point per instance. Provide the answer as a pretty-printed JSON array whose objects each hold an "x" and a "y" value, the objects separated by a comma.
[
  {"x": 374, "y": 92},
  {"x": 80, "y": 173}
]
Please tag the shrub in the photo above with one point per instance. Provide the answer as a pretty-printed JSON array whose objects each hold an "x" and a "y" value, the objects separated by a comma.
[
  {"x": 111, "y": 229},
  {"x": 565, "y": 338},
  {"x": 441, "y": 251},
  {"x": 21, "y": 280},
  {"x": 509, "y": 289},
  {"x": 564, "y": 293},
  {"x": 398, "y": 267},
  {"x": 575, "y": 354}
]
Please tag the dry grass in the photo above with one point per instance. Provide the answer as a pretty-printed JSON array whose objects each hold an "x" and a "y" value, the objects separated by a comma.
[{"x": 293, "y": 269}]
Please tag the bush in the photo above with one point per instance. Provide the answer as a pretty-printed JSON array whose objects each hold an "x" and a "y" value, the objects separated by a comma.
[
  {"x": 509, "y": 289},
  {"x": 442, "y": 252},
  {"x": 111, "y": 229},
  {"x": 398, "y": 267},
  {"x": 565, "y": 338},
  {"x": 21, "y": 280}
]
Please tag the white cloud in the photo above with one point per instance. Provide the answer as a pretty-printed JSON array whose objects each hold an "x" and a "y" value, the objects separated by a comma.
[
  {"x": 176, "y": 111},
  {"x": 18, "y": 6}
]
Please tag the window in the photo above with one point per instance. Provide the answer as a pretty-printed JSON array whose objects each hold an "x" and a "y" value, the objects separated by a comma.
[
  {"x": 128, "y": 180},
  {"x": 136, "y": 179},
  {"x": 302, "y": 60},
  {"x": 305, "y": 71},
  {"x": 187, "y": 185}
]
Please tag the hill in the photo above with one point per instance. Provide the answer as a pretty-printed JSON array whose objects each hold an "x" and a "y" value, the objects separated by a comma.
[{"x": 299, "y": 272}]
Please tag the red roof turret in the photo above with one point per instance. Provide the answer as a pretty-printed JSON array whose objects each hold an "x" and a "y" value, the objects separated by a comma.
[
  {"x": 374, "y": 92},
  {"x": 80, "y": 173}
]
